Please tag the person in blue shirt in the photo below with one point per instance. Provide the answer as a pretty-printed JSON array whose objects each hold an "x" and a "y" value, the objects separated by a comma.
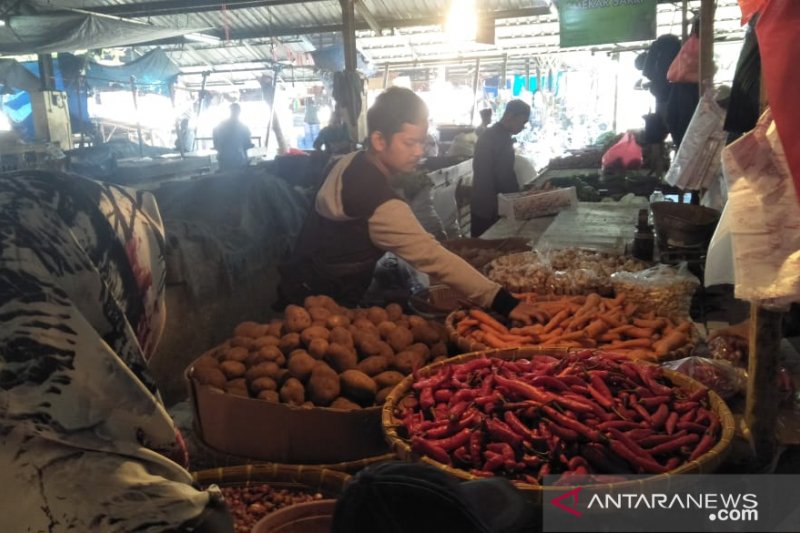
[{"x": 231, "y": 141}]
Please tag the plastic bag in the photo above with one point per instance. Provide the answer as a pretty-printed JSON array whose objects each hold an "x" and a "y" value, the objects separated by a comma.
[
  {"x": 665, "y": 290},
  {"x": 719, "y": 376},
  {"x": 625, "y": 155},
  {"x": 685, "y": 68},
  {"x": 698, "y": 161},
  {"x": 730, "y": 348}
]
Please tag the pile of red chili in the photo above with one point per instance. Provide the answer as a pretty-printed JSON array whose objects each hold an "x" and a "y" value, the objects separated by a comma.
[{"x": 590, "y": 413}]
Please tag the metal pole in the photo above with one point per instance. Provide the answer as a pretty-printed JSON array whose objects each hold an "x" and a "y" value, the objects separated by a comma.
[
  {"x": 386, "y": 75},
  {"x": 475, "y": 90},
  {"x": 136, "y": 110},
  {"x": 707, "y": 8},
  {"x": 79, "y": 83},
  {"x": 46, "y": 76},
  {"x": 349, "y": 34},
  {"x": 616, "y": 94},
  {"x": 528, "y": 73},
  {"x": 270, "y": 97},
  {"x": 501, "y": 84},
  {"x": 685, "y": 21},
  {"x": 200, "y": 99}
]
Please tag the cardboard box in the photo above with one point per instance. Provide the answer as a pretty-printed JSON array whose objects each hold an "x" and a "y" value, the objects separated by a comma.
[
  {"x": 282, "y": 433},
  {"x": 525, "y": 205}
]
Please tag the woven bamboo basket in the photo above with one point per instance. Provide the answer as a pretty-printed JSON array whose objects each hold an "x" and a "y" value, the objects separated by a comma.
[
  {"x": 329, "y": 482},
  {"x": 707, "y": 463},
  {"x": 467, "y": 345}
]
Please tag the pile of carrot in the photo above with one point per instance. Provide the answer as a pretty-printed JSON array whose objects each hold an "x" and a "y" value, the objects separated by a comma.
[
  {"x": 590, "y": 321},
  {"x": 589, "y": 414}
]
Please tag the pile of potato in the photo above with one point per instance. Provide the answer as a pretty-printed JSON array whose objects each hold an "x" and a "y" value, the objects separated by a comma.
[{"x": 323, "y": 355}]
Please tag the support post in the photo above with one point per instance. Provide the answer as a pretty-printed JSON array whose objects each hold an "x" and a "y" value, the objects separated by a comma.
[
  {"x": 136, "y": 111},
  {"x": 684, "y": 21},
  {"x": 501, "y": 84},
  {"x": 386, "y": 75},
  {"x": 616, "y": 93},
  {"x": 47, "y": 77},
  {"x": 528, "y": 74},
  {"x": 475, "y": 89},
  {"x": 707, "y": 8},
  {"x": 349, "y": 34}
]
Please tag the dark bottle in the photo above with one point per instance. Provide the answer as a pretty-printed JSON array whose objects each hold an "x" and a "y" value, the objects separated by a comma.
[{"x": 643, "y": 241}]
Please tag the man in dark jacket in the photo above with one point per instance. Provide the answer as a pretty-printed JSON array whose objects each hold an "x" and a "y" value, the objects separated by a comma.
[
  {"x": 493, "y": 166},
  {"x": 231, "y": 140}
]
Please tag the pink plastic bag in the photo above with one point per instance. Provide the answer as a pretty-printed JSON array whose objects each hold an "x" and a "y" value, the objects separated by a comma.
[
  {"x": 625, "y": 155},
  {"x": 685, "y": 68}
]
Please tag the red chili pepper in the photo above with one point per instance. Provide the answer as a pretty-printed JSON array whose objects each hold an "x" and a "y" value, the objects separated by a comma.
[
  {"x": 674, "y": 444},
  {"x": 697, "y": 395},
  {"x": 562, "y": 432},
  {"x": 549, "y": 382},
  {"x": 493, "y": 397},
  {"x": 572, "y": 381},
  {"x": 703, "y": 446},
  {"x": 464, "y": 395},
  {"x": 527, "y": 478},
  {"x": 629, "y": 369},
  {"x": 426, "y": 399},
  {"x": 434, "y": 381},
  {"x": 472, "y": 419},
  {"x": 457, "y": 410},
  {"x": 589, "y": 433},
  {"x": 660, "y": 416},
  {"x": 672, "y": 419},
  {"x": 713, "y": 426},
  {"x": 473, "y": 365},
  {"x": 618, "y": 424},
  {"x": 481, "y": 473},
  {"x": 462, "y": 455},
  {"x": 493, "y": 461},
  {"x": 682, "y": 407},
  {"x": 487, "y": 386},
  {"x": 545, "y": 470},
  {"x": 691, "y": 426},
  {"x": 643, "y": 392},
  {"x": 638, "y": 433},
  {"x": 629, "y": 443},
  {"x": 504, "y": 449},
  {"x": 500, "y": 431},
  {"x": 441, "y": 432},
  {"x": 688, "y": 416},
  {"x": 420, "y": 445},
  {"x": 655, "y": 440},
  {"x": 443, "y": 395},
  {"x": 643, "y": 463},
  {"x": 575, "y": 462},
  {"x": 600, "y": 398},
  {"x": 475, "y": 447},
  {"x": 571, "y": 402},
  {"x": 455, "y": 441},
  {"x": 532, "y": 461},
  {"x": 519, "y": 428},
  {"x": 654, "y": 401},
  {"x": 524, "y": 389},
  {"x": 640, "y": 410}
]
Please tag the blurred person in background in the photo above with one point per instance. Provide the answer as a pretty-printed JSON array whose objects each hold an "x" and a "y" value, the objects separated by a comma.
[
  {"x": 486, "y": 119},
  {"x": 231, "y": 141}
]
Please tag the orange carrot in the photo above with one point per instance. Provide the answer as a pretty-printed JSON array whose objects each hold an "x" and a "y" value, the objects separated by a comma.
[
  {"x": 653, "y": 324},
  {"x": 633, "y": 343},
  {"x": 669, "y": 342},
  {"x": 556, "y": 320},
  {"x": 485, "y": 318},
  {"x": 596, "y": 328}
]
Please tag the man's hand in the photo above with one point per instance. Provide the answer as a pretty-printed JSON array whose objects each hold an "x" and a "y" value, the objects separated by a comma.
[
  {"x": 741, "y": 330},
  {"x": 523, "y": 312}
]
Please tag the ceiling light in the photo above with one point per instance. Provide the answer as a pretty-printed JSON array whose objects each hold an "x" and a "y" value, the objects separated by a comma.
[{"x": 202, "y": 38}]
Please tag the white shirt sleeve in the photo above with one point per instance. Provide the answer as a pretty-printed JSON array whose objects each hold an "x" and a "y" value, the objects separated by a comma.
[{"x": 394, "y": 228}]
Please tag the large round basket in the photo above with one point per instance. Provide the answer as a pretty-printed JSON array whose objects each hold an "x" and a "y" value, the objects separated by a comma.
[
  {"x": 328, "y": 482},
  {"x": 705, "y": 464},
  {"x": 468, "y": 345}
]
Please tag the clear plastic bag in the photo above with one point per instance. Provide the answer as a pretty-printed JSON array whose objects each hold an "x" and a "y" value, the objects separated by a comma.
[
  {"x": 663, "y": 289},
  {"x": 719, "y": 376}
]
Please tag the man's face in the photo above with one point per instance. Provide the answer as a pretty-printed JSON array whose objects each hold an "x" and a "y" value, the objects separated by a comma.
[
  {"x": 518, "y": 123},
  {"x": 403, "y": 151}
]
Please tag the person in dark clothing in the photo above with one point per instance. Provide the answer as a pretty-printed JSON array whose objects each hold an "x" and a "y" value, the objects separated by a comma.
[
  {"x": 231, "y": 141},
  {"x": 311, "y": 123},
  {"x": 493, "y": 166},
  {"x": 486, "y": 119},
  {"x": 357, "y": 217},
  {"x": 335, "y": 137}
]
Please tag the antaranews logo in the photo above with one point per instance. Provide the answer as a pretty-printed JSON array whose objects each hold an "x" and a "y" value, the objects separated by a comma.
[
  {"x": 573, "y": 495},
  {"x": 726, "y": 507}
]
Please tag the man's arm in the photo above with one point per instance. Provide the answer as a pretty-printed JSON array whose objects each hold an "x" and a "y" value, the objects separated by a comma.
[{"x": 506, "y": 177}]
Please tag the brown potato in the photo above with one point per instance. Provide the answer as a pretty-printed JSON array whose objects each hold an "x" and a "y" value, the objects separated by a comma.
[
  {"x": 266, "y": 340},
  {"x": 282, "y": 375},
  {"x": 390, "y": 378},
  {"x": 236, "y": 354},
  {"x": 206, "y": 360},
  {"x": 338, "y": 321},
  {"x": 349, "y": 313},
  {"x": 318, "y": 347},
  {"x": 439, "y": 350},
  {"x": 264, "y": 383},
  {"x": 308, "y": 405},
  {"x": 400, "y": 338},
  {"x": 414, "y": 320},
  {"x": 238, "y": 391},
  {"x": 275, "y": 328},
  {"x": 312, "y": 333},
  {"x": 301, "y": 364},
  {"x": 262, "y": 370},
  {"x": 394, "y": 312},
  {"x": 406, "y": 361},
  {"x": 422, "y": 350},
  {"x": 385, "y": 350},
  {"x": 425, "y": 334},
  {"x": 342, "y": 336},
  {"x": 358, "y": 386},
  {"x": 319, "y": 314},
  {"x": 344, "y": 404},
  {"x": 403, "y": 323},
  {"x": 368, "y": 345},
  {"x": 237, "y": 382},
  {"x": 376, "y": 315},
  {"x": 311, "y": 301},
  {"x": 373, "y": 365},
  {"x": 264, "y": 354},
  {"x": 209, "y": 376},
  {"x": 341, "y": 358},
  {"x": 386, "y": 327},
  {"x": 289, "y": 342},
  {"x": 380, "y": 397},
  {"x": 323, "y": 385},
  {"x": 366, "y": 325},
  {"x": 297, "y": 319},
  {"x": 270, "y": 396},
  {"x": 232, "y": 369},
  {"x": 293, "y": 392},
  {"x": 243, "y": 342},
  {"x": 250, "y": 329},
  {"x": 327, "y": 302},
  {"x": 358, "y": 314}
]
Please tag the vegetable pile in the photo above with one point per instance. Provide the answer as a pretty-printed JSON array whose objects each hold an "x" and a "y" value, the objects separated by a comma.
[
  {"x": 250, "y": 504},
  {"x": 590, "y": 413},
  {"x": 580, "y": 322},
  {"x": 323, "y": 355}
]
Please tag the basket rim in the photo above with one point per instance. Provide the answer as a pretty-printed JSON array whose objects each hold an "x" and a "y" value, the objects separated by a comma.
[
  {"x": 403, "y": 449},
  {"x": 329, "y": 481}
]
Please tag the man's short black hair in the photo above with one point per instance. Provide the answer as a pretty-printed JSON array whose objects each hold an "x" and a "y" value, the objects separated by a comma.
[
  {"x": 517, "y": 108},
  {"x": 393, "y": 108},
  {"x": 486, "y": 113}
]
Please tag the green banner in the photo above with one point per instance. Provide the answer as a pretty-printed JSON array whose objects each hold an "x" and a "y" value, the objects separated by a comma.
[{"x": 587, "y": 22}]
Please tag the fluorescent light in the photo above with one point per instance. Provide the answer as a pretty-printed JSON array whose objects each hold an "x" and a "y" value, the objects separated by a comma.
[
  {"x": 462, "y": 21},
  {"x": 2, "y": 22},
  {"x": 202, "y": 38}
]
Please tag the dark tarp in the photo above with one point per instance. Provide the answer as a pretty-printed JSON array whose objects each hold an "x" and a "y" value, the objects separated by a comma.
[
  {"x": 68, "y": 31},
  {"x": 15, "y": 76},
  {"x": 154, "y": 72}
]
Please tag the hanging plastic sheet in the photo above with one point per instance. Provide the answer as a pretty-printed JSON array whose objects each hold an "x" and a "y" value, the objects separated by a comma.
[
  {"x": 761, "y": 221},
  {"x": 154, "y": 72},
  {"x": 777, "y": 28}
]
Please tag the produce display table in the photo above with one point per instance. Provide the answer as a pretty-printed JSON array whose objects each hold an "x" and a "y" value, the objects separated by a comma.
[{"x": 606, "y": 227}]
